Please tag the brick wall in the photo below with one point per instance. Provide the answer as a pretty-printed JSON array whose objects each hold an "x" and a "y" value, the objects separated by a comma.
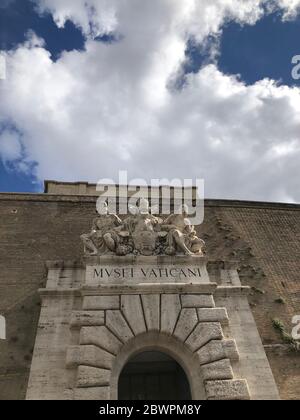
[{"x": 264, "y": 239}]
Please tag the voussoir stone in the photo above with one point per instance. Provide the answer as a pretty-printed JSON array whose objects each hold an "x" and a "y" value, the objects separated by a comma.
[
  {"x": 218, "y": 349},
  {"x": 131, "y": 307},
  {"x": 186, "y": 322},
  {"x": 170, "y": 309},
  {"x": 100, "y": 337},
  {"x": 203, "y": 333},
  {"x": 151, "y": 306},
  {"x": 118, "y": 325}
]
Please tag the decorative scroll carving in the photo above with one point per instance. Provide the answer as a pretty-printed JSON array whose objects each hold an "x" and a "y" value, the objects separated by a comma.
[{"x": 142, "y": 233}]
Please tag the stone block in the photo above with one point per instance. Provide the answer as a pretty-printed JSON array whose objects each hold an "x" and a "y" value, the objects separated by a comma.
[
  {"x": 217, "y": 370},
  {"x": 86, "y": 318},
  {"x": 93, "y": 394},
  {"x": 203, "y": 333},
  {"x": 213, "y": 315},
  {"x": 170, "y": 309},
  {"x": 197, "y": 301},
  {"x": 100, "y": 337},
  {"x": 131, "y": 307},
  {"x": 236, "y": 389},
  {"x": 118, "y": 325},
  {"x": 186, "y": 322},
  {"x": 101, "y": 302},
  {"x": 88, "y": 376},
  {"x": 88, "y": 355},
  {"x": 151, "y": 306},
  {"x": 217, "y": 350}
]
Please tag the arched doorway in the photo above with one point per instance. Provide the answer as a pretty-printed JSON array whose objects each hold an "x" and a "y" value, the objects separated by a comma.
[{"x": 153, "y": 375}]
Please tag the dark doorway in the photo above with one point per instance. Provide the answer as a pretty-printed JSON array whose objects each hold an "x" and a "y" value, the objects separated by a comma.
[{"x": 153, "y": 375}]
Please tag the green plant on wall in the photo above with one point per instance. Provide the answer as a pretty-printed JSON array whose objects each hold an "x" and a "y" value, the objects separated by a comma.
[{"x": 286, "y": 337}]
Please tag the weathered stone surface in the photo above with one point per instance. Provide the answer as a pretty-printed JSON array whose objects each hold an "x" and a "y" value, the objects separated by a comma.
[
  {"x": 218, "y": 370},
  {"x": 48, "y": 378},
  {"x": 151, "y": 305},
  {"x": 197, "y": 301},
  {"x": 100, "y": 337},
  {"x": 253, "y": 365},
  {"x": 186, "y": 322},
  {"x": 101, "y": 302},
  {"x": 218, "y": 349},
  {"x": 68, "y": 394},
  {"x": 157, "y": 288},
  {"x": 108, "y": 270},
  {"x": 131, "y": 307},
  {"x": 88, "y": 376},
  {"x": 88, "y": 355},
  {"x": 87, "y": 318},
  {"x": 230, "y": 349},
  {"x": 204, "y": 332},
  {"x": 94, "y": 394},
  {"x": 53, "y": 224},
  {"x": 227, "y": 390},
  {"x": 118, "y": 325},
  {"x": 213, "y": 315},
  {"x": 170, "y": 308}
]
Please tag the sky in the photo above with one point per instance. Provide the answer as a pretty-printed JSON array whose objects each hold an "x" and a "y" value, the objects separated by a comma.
[{"x": 163, "y": 89}]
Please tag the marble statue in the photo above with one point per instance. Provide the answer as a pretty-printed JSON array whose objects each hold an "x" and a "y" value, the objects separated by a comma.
[
  {"x": 146, "y": 232},
  {"x": 142, "y": 233},
  {"x": 103, "y": 235},
  {"x": 181, "y": 234}
]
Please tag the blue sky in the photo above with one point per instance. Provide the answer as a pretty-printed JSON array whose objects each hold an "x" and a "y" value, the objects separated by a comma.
[
  {"x": 262, "y": 50},
  {"x": 254, "y": 51},
  {"x": 15, "y": 21},
  {"x": 20, "y": 16}
]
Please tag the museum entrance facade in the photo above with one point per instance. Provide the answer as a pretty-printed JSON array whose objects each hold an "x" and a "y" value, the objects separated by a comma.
[
  {"x": 134, "y": 338},
  {"x": 153, "y": 375},
  {"x": 145, "y": 315}
]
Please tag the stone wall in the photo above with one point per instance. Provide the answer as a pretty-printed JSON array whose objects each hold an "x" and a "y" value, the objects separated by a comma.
[
  {"x": 88, "y": 330},
  {"x": 79, "y": 353},
  {"x": 263, "y": 238}
]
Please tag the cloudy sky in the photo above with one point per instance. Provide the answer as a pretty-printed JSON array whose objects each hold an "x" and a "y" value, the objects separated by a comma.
[{"x": 161, "y": 88}]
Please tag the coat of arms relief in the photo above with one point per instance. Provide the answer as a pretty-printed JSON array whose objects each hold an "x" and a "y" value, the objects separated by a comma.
[{"x": 142, "y": 233}]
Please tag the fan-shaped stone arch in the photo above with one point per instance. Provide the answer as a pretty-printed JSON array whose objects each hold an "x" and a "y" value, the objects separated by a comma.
[{"x": 186, "y": 326}]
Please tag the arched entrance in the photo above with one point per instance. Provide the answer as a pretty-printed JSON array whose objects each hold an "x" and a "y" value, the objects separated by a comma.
[{"x": 153, "y": 375}]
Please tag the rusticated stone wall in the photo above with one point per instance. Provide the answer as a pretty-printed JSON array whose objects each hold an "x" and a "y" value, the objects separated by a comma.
[
  {"x": 263, "y": 238},
  {"x": 108, "y": 324}
]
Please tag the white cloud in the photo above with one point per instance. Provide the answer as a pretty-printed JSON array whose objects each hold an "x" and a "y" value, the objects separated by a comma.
[
  {"x": 290, "y": 7},
  {"x": 95, "y": 17},
  {"x": 91, "y": 113},
  {"x": 200, "y": 17},
  {"x": 10, "y": 147}
]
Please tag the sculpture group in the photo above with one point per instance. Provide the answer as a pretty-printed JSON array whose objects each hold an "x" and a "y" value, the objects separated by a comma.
[{"x": 142, "y": 233}]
